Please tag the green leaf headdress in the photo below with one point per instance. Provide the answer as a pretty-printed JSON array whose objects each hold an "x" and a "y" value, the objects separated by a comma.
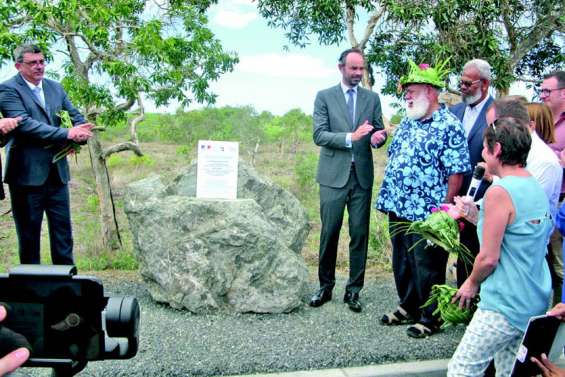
[{"x": 425, "y": 74}]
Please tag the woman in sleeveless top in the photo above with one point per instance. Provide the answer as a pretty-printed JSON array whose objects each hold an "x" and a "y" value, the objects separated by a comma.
[{"x": 511, "y": 271}]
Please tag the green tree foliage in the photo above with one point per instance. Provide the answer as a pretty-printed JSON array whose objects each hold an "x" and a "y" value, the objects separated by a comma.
[
  {"x": 116, "y": 52},
  {"x": 228, "y": 123},
  {"x": 116, "y": 49},
  {"x": 520, "y": 38}
]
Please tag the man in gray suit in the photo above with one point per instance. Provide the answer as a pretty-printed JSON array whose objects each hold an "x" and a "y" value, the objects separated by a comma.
[
  {"x": 37, "y": 184},
  {"x": 347, "y": 121}
]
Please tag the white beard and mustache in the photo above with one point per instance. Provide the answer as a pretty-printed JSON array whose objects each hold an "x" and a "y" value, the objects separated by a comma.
[
  {"x": 472, "y": 98},
  {"x": 419, "y": 108}
]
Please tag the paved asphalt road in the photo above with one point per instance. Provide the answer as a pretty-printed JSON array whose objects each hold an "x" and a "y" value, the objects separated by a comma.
[{"x": 177, "y": 343}]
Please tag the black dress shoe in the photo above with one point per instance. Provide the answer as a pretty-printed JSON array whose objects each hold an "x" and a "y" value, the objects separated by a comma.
[
  {"x": 352, "y": 301},
  {"x": 320, "y": 298}
]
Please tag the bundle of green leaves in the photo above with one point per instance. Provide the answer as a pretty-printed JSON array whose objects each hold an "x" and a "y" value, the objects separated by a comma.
[
  {"x": 70, "y": 146},
  {"x": 440, "y": 229},
  {"x": 450, "y": 313}
]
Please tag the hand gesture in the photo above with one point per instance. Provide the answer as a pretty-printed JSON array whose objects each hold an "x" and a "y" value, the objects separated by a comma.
[
  {"x": 378, "y": 137},
  {"x": 14, "y": 359},
  {"x": 558, "y": 311},
  {"x": 80, "y": 133},
  {"x": 548, "y": 369},
  {"x": 361, "y": 131},
  {"x": 8, "y": 124},
  {"x": 467, "y": 208},
  {"x": 466, "y": 293}
]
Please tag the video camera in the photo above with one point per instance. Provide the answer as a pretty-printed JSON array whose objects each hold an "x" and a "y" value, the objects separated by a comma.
[{"x": 65, "y": 318}]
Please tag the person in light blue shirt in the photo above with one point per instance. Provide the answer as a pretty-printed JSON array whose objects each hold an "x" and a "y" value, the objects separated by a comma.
[{"x": 511, "y": 271}]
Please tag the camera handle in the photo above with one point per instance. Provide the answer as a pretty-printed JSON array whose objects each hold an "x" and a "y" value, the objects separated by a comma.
[{"x": 68, "y": 370}]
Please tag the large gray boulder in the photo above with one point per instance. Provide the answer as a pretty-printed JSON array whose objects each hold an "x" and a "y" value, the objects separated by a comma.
[{"x": 205, "y": 254}]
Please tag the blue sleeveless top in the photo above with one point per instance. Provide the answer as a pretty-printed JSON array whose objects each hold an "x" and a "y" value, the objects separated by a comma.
[{"x": 520, "y": 285}]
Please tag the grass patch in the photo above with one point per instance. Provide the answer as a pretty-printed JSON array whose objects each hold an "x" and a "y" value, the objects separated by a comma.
[{"x": 292, "y": 168}]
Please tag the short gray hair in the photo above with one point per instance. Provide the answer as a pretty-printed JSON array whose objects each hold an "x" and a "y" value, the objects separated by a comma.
[
  {"x": 26, "y": 49},
  {"x": 484, "y": 68}
]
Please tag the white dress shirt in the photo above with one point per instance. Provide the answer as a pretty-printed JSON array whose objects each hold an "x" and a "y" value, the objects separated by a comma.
[
  {"x": 345, "y": 88},
  {"x": 542, "y": 163},
  {"x": 471, "y": 114},
  {"x": 40, "y": 86}
]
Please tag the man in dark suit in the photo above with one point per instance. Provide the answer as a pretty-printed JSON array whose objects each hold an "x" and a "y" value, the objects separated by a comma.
[
  {"x": 347, "y": 121},
  {"x": 36, "y": 184},
  {"x": 474, "y": 85},
  {"x": 6, "y": 125}
]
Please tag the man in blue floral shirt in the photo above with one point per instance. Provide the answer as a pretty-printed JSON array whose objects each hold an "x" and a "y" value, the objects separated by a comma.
[{"x": 426, "y": 161}]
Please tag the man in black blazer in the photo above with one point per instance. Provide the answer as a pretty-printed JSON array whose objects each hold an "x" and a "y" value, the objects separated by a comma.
[
  {"x": 36, "y": 184},
  {"x": 474, "y": 85},
  {"x": 347, "y": 121}
]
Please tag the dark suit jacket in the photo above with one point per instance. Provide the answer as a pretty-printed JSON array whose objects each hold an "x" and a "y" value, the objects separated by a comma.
[
  {"x": 28, "y": 157},
  {"x": 474, "y": 141},
  {"x": 2, "y": 195},
  {"x": 332, "y": 123}
]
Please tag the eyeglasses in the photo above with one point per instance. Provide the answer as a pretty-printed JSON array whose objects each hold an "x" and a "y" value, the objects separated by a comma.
[
  {"x": 547, "y": 92},
  {"x": 36, "y": 63},
  {"x": 467, "y": 84}
]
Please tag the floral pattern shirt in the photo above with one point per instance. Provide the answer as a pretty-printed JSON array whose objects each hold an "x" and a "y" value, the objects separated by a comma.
[{"x": 421, "y": 157}]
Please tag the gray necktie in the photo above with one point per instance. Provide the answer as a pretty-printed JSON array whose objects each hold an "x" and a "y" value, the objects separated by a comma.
[
  {"x": 37, "y": 93},
  {"x": 350, "y": 105}
]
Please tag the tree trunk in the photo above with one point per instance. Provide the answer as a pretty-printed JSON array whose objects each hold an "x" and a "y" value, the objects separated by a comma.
[
  {"x": 502, "y": 92},
  {"x": 253, "y": 153},
  {"x": 110, "y": 231}
]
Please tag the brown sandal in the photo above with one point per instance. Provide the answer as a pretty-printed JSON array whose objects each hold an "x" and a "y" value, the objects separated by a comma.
[{"x": 398, "y": 317}]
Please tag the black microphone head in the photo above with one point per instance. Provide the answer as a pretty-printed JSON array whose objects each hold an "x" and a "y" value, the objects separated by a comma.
[{"x": 479, "y": 172}]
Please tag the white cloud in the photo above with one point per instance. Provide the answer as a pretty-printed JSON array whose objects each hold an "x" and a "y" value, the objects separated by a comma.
[
  {"x": 233, "y": 19},
  {"x": 292, "y": 65}
]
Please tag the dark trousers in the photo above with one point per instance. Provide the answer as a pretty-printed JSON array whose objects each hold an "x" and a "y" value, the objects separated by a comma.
[
  {"x": 28, "y": 205},
  {"x": 332, "y": 205},
  {"x": 468, "y": 237},
  {"x": 416, "y": 269}
]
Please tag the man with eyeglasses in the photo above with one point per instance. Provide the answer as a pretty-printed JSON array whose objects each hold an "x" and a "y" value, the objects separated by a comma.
[
  {"x": 552, "y": 93},
  {"x": 474, "y": 85},
  {"x": 38, "y": 185}
]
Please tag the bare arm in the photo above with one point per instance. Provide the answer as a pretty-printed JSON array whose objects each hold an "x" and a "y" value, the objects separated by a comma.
[
  {"x": 454, "y": 183},
  {"x": 498, "y": 213}
]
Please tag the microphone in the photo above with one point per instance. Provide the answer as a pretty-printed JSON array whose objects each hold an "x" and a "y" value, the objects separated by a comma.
[{"x": 476, "y": 181}]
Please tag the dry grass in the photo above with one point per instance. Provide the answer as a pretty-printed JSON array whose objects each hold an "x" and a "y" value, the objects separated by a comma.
[{"x": 166, "y": 160}]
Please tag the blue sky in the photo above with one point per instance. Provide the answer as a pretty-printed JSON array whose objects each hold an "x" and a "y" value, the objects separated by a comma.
[{"x": 268, "y": 76}]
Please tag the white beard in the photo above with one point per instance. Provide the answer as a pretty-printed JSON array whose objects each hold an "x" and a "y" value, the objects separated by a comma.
[
  {"x": 472, "y": 98},
  {"x": 419, "y": 108}
]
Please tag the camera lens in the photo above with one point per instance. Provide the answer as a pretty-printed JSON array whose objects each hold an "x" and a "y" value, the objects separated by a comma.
[
  {"x": 122, "y": 327},
  {"x": 122, "y": 317}
]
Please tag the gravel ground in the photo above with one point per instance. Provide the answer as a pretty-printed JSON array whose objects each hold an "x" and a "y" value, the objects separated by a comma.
[{"x": 177, "y": 343}]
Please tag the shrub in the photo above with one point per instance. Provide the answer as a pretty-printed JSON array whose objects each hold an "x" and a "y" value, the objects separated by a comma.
[
  {"x": 138, "y": 161},
  {"x": 305, "y": 171},
  {"x": 114, "y": 160},
  {"x": 92, "y": 203}
]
